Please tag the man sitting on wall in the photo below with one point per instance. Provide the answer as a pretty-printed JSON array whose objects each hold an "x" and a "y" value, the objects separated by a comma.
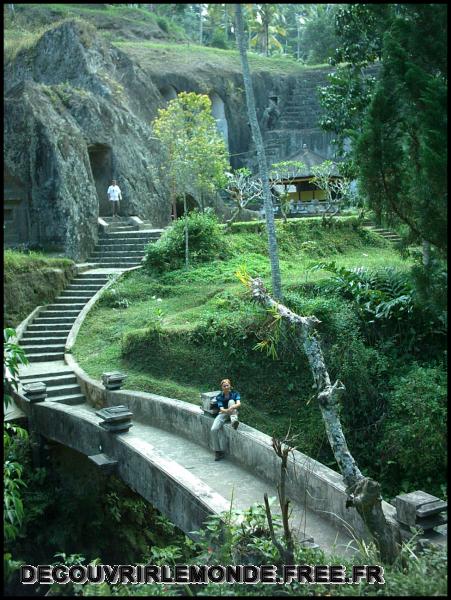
[{"x": 228, "y": 401}]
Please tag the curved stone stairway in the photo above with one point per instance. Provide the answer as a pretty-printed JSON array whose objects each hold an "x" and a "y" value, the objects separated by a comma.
[
  {"x": 45, "y": 337},
  {"x": 121, "y": 247}
]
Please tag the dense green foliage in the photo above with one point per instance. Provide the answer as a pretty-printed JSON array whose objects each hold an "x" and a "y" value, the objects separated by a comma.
[
  {"x": 205, "y": 242},
  {"x": 395, "y": 114},
  {"x": 415, "y": 425},
  {"x": 401, "y": 154},
  {"x": 87, "y": 515},
  {"x": 13, "y": 468}
]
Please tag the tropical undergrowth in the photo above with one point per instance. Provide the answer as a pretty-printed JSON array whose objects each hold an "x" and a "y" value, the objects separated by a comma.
[{"x": 72, "y": 513}]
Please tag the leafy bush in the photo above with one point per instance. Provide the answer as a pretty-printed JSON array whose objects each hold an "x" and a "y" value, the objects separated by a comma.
[
  {"x": 114, "y": 299},
  {"x": 413, "y": 448},
  {"x": 388, "y": 307},
  {"x": 163, "y": 24},
  {"x": 206, "y": 242},
  {"x": 219, "y": 39}
]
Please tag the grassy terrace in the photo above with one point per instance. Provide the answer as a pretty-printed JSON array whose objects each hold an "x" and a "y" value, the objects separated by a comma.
[
  {"x": 178, "y": 301},
  {"x": 192, "y": 54}
]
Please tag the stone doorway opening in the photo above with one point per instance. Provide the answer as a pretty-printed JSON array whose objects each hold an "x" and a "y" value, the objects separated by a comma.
[
  {"x": 218, "y": 112},
  {"x": 101, "y": 161},
  {"x": 191, "y": 204}
]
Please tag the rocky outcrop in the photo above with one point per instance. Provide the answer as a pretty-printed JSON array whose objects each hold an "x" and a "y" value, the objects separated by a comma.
[{"x": 78, "y": 112}]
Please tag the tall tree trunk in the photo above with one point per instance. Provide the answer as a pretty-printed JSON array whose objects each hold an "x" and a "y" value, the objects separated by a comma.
[
  {"x": 363, "y": 493},
  {"x": 185, "y": 212},
  {"x": 298, "y": 47},
  {"x": 266, "y": 38},
  {"x": 426, "y": 249},
  {"x": 263, "y": 168},
  {"x": 201, "y": 25},
  {"x": 226, "y": 22}
]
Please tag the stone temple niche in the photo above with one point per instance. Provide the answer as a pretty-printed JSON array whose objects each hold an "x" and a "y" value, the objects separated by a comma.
[
  {"x": 168, "y": 92},
  {"x": 16, "y": 215},
  {"x": 218, "y": 112},
  {"x": 100, "y": 158}
]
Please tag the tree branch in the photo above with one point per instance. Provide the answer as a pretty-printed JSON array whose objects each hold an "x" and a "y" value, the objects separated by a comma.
[{"x": 363, "y": 492}]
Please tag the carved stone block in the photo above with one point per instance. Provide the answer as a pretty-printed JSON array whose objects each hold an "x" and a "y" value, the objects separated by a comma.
[
  {"x": 208, "y": 403},
  {"x": 419, "y": 509},
  {"x": 35, "y": 392}
]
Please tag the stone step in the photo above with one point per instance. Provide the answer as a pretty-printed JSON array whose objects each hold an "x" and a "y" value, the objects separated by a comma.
[
  {"x": 62, "y": 304},
  {"x": 90, "y": 278},
  {"x": 106, "y": 260},
  {"x": 47, "y": 322},
  {"x": 55, "y": 382},
  {"x": 71, "y": 399},
  {"x": 55, "y": 314},
  {"x": 71, "y": 301},
  {"x": 45, "y": 356},
  {"x": 48, "y": 376},
  {"x": 63, "y": 390},
  {"x": 120, "y": 265},
  {"x": 32, "y": 340},
  {"x": 99, "y": 251},
  {"x": 118, "y": 256},
  {"x": 82, "y": 290},
  {"x": 121, "y": 243},
  {"x": 43, "y": 331},
  {"x": 37, "y": 349},
  {"x": 84, "y": 286},
  {"x": 54, "y": 328},
  {"x": 123, "y": 247},
  {"x": 131, "y": 235}
]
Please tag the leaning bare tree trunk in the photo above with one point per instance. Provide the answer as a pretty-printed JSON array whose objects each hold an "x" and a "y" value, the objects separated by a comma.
[
  {"x": 263, "y": 168},
  {"x": 363, "y": 493}
]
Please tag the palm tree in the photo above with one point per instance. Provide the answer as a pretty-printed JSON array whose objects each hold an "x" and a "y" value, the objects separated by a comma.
[
  {"x": 262, "y": 165},
  {"x": 266, "y": 27}
]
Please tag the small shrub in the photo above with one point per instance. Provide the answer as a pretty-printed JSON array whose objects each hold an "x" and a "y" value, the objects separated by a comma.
[
  {"x": 114, "y": 299},
  {"x": 163, "y": 24},
  {"x": 219, "y": 40},
  {"x": 206, "y": 243}
]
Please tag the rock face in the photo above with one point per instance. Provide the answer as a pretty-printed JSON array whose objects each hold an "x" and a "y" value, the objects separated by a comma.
[{"x": 78, "y": 112}]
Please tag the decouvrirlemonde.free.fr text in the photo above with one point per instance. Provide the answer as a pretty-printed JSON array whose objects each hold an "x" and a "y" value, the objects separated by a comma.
[{"x": 201, "y": 574}]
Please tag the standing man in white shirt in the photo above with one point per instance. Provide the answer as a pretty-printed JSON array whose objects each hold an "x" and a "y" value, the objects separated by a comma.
[{"x": 114, "y": 195}]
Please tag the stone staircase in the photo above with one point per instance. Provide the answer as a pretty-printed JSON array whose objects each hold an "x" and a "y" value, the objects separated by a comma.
[
  {"x": 44, "y": 339},
  {"x": 385, "y": 233},
  {"x": 298, "y": 123},
  {"x": 122, "y": 245},
  {"x": 61, "y": 385}
]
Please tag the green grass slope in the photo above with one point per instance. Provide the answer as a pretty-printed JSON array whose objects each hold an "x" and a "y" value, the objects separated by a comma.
[{"x": 180, "y": 332}]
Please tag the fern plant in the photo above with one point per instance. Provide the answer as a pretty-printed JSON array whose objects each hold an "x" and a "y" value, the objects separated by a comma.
[{"x": 384, "y": 299}]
